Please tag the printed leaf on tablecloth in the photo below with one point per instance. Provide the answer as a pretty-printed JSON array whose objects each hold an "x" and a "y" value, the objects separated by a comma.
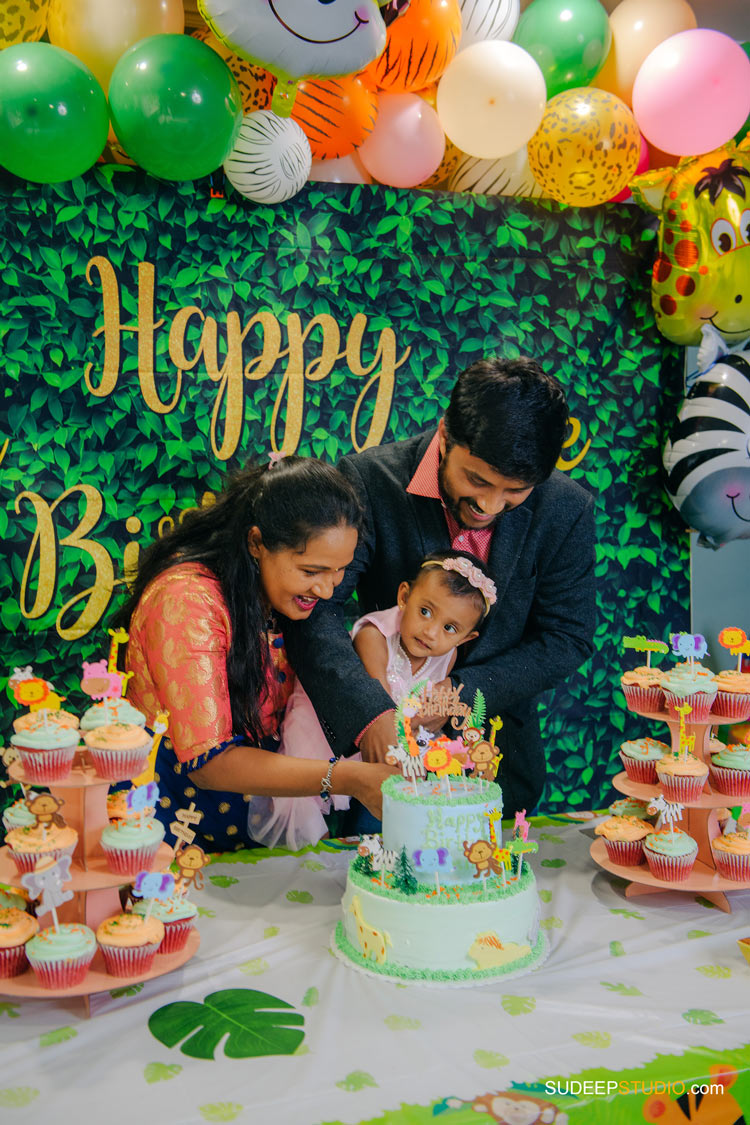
[
  {"x": 357, "y": 1080},
  {"x": 161, "y": 1072},
  {"x": 401, "y": 1023},
  {"x": 17, "y": 1096},
  {"x": 255, "y": 967},
  {"x": 222, "y": 880},
  {"x": 256, "y": 1023},
  {"x": 554, "y": 863},
  {"x": 622, "y": 989},
  {"x": 594, "y": 1038},
  {"x": 702, "y": 1016},
  {"x": 490, "y": 1059},
  {"x": 545, "y": 896},
  {"x": 699, "y": 933},
  {"x": 9, "y": 1010},
  {"x": 299, "y": 896},
  {"x": 270, "y": 931},
  {"x": 220, "y": 1111},
  {"x": 616, "y": 949},
  {"x": 551, "y": 923},
  {"x": 311, "y": 997},
  {"x": 518, "y": 1005},
  {"x": 58, "y": 1036},
  {"x": 717, "y": 971}
]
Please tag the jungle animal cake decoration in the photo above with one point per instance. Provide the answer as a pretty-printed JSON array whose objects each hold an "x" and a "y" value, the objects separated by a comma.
[{"x": 441, "y": 899}]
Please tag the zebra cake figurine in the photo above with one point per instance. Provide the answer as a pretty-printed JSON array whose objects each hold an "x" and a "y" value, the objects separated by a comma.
[{"x": 707, "y": 457}]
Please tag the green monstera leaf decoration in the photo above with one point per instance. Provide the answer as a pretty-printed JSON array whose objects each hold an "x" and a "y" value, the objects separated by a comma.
[{"x": 256, "y": 1024}]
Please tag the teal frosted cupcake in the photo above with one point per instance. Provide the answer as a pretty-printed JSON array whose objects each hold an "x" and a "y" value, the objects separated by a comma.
[
  {"x": 46, "y": 753},
  {"x": 61, "y": 957},
  {"x": 640, "y": 757},
  {"x": 730, "y": 771},
  {"x": 696, "y": 686},
  {"x": 670, "y": 855},
  {"x": 17, "y": 815},
  {"x": 178, "y": 916},
  {"x": 116, "y": 711},
  {"x": 631, "y": 806},
  {"x": 131, "y": 845}
]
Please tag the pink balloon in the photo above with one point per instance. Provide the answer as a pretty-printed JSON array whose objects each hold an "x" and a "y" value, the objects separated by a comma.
[
  {"x": 407, "y": 143},
  {"x": 641, "y": 166},
  {"x": 692, "y": 93}
]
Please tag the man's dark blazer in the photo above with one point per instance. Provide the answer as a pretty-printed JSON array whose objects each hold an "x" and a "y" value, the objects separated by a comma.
[{"x": 538, "y": 633}]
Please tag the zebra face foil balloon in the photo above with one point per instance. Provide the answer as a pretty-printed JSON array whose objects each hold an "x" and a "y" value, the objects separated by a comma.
[
  {"x": 299, "y": 38},
  {"x": 707, "y": 458}
]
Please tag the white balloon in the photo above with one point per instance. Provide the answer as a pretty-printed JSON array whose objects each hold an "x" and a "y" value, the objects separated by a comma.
[
  {"x": 491, "y": 99},
  {"x": 488, "y": 19},
  {"x": 341, "y": 170},
  {"x": 271, "y": 158},
  {"x": 510, "y": 175}
]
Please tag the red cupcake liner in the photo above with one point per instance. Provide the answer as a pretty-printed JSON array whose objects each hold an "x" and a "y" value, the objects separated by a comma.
[
  {"x": 640, "y": 771},
  {"x": 671, "y": 868},
  {"x": 732, "y": 866},
  {"x": 131, "y": 961},
  {"x": 27, "y": 861},
  {"x": 628, "y": 853},
  {"x": 119, "y": 765},
  {"x": 641, "y": 699},
  {"x": 12, "y": 961},
  {"x": 732, "y": 783},
  {"x": 732, "y": 706},
  {"x": 131, "y": 862},
  {"x": 681, "y": 790},
  {"x": 700, "y": 701},
  {"x": 62, "y": 974},
  {"x": 45, "y": 766},
  {"x": 176, "y": 935}
]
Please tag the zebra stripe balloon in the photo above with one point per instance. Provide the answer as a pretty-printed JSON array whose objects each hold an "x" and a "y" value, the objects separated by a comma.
[
  {"x": 271, "y": 158},
  {"x": 707, "y": 457},
  {"x": 488, "y": 19}
]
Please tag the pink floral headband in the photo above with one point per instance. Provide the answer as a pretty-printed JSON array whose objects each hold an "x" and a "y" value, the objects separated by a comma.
[{"x": 473, "y": 575}]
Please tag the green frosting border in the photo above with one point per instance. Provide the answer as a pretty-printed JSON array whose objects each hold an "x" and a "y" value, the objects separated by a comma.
[
  {"x": 491, "y": 793},
  {"x": 494, "y": 894},
  {"x": 457, "y": 975}
]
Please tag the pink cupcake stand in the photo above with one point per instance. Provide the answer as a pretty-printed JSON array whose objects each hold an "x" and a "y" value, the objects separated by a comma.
[
  {"x": 699, "y": 820},
  {"x": 97, "y": 889}
]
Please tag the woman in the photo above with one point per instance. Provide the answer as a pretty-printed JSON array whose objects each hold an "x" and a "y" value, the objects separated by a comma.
[{"x": 206, "y": 647}]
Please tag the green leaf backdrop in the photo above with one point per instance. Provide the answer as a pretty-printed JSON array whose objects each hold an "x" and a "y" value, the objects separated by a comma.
[{"x": 442, "y": 279}]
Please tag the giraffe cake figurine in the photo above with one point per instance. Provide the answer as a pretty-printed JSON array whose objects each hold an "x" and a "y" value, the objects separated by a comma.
[{"x": 440, "y": 899}]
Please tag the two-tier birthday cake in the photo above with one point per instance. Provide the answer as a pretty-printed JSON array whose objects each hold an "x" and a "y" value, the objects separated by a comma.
[{"x": 440, "y": 900}]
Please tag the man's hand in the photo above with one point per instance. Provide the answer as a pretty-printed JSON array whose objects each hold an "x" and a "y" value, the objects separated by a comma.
[{"x": 376, "y": 740}]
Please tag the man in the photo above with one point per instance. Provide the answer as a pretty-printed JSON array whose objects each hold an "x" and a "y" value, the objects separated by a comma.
[{"x": 484, "y": 482}]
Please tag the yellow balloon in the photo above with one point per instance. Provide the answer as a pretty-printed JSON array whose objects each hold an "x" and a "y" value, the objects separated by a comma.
[
  {"x": 99, "y": 31},
  {"x": 24, "y": 21},
  {"x": 637, "y": 27},
  {"x": 587, "y": 147}
]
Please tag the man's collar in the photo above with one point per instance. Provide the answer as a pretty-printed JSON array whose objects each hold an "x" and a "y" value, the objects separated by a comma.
[{"x": 425, "y": 479}]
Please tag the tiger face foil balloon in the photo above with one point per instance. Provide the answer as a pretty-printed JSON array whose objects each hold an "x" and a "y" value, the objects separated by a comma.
[
  {"x": 299, "y": 38},
  {"x": 707, "y": 457}
]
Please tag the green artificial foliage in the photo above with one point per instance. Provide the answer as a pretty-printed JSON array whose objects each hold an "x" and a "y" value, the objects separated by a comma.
[
  {"x": 254, "y": 1024},
  {"x": 404, "y": 879},
  {"x": 479, "y": 710}
]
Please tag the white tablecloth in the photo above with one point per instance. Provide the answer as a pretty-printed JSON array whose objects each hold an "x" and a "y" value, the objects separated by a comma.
[{"x": 643, "y": 990}]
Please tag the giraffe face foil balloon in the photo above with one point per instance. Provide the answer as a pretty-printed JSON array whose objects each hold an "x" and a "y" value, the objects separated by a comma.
[
  {"x": 702, "y": 269},
  {"x": 707, "y": 457},
  {"x": 299, "y": 38}
]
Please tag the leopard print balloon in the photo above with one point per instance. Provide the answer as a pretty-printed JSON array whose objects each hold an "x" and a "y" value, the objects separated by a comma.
[
  {"x": 23, "y": 21},
  {"x": 587, "y": 147},
  {"x": 256, "y": 84}
]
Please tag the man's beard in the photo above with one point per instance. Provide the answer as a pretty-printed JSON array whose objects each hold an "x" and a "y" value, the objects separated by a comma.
[{"x": 454, "y": 506}]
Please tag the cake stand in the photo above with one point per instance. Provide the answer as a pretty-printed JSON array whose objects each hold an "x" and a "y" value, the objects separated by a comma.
[
  {"x": 699, "y": 820},
  {"x": 96, "y": 889}
]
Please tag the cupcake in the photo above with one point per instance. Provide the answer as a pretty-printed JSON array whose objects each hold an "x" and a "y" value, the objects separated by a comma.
[
  {"x": 60, "y": 956},
  {"x": 131, "y": 845},
  {"x": 623, "y": 838},
  {"x": 631, "y": 806},
  {"x": 16, "y": 928},
  {"x": 670, "y": 854},
  {"x": 682, "y": 778},
  {"x": 642, "y": 689},
  {"x": 46, "y": 753},
  {"x": 18, "y": 815},
  {"x": 733, "y": 695},
  {"x": 177, "y": 915},
  {"x": 640, "y": 757},
  {"x": 129, "y": 943},
  {"x": 27, "y": 846},
  {"x": 732, "y": 855},
  {"x": 118, "y": 751},
  {"x": 32, "y": 720},
  {"x": 115, "y": 711},
  {"x": 730, "y": 771},
  {"x": 696, "y": 686},
  {"x": 12, "y": 896},
  {"x": 117, "y": 806}
]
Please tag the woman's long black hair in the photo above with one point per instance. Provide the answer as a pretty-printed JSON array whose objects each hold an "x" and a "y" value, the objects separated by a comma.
[{"x": 291, "y": 502}]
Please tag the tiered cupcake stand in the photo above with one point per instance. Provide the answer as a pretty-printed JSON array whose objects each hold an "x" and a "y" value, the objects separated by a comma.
[
  {"x": 699, "y": 820},
  {"x": 95, "y": 887}
]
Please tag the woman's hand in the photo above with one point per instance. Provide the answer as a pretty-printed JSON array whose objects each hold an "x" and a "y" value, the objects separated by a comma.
[{"x": 362, "y": 780}]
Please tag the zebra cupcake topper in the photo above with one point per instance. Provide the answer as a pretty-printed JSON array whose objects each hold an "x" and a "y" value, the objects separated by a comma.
[{"x": 707, "y": 457}]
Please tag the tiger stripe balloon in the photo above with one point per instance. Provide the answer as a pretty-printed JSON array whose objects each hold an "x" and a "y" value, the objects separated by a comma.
[
  {"x": 418, "y": 47},
  {"x": 336, "y": 114},
  {"x": 707, "y": 457}
]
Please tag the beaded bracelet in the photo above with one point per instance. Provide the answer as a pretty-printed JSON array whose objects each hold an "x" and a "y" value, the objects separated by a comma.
[{"x": 326, "y": 784}]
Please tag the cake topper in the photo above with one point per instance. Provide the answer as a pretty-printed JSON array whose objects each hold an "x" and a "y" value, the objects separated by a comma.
[
  {"x": 521, "y": 825},
  {"x": 180, "y": 827},
  {"x": 518, "y": 847},
  {"x": 190, "y": 861},
  {"x": 403, "y": 875},
  {"x": 735, "y": 639},
  {"x": 689, "y": 645},
  {"x": 669, "y": 812},
  {"x": 142, "y": 798},
  {"x": 33, "y": 692},
  {"x": 642, "y": 644},
  {"x": 381, "y": 859},
  {"x": 686, "y": 743},
  {"x": 100, "y": 682},
  {"x": 119, "y": 637},
  {"x": 438, "y": 759},
  {"x": 411, "y": 765},
  {"x": 481, "y": 853},
  {"x": 482, "y": 754},
  {"x": 44, "y": 808},
  {"x": 433, "y": 859},
  {"x": 154, "y": 886},
  {"x": 46, "y": 881},
  {"x": 159, "y": 727}
]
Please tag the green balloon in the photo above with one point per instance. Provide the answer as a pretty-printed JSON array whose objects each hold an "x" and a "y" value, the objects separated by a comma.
[
  {"x": 53, "y": 113},
  {"x": 746, "y": 127},
  {"x": 568, "y": 38},
  {"x": 176, "y": 106}
]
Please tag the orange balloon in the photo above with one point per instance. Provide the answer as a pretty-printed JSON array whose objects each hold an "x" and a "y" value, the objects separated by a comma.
[
  {"x": 659, "y": 159},
  {"x": 336, "y": 114},
  {"x": 419, "y": 46}
]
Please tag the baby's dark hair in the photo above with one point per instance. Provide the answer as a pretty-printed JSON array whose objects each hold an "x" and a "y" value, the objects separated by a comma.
[{"x": 456, "y": 582}]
